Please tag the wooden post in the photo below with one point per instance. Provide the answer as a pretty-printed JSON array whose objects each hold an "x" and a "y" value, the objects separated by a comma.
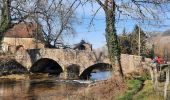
[
  {"x": 155, "y": 78},
  {"x": 166, "y": 84},
  {"x": 139, "y": 41},
  {"x": 152, "y": 73}
]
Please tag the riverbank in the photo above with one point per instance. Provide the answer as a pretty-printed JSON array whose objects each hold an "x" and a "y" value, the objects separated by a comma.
[
  {"x": 25, "y": 76},
  {"x": 134, "y": 87},
  {"x": 148, "y": 93},
  {"x": 102, "y": 90},
  {"x": 111, "y": 89},
  {"x": 15, "y": 77},
  {"x": 114, "y": 88}
]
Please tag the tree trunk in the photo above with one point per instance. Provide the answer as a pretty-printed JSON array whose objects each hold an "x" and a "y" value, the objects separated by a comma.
[
  {"x": 5, "y": 21},
  {"x": 5, "y": 16},
  {"x": 112, "y": 41}
]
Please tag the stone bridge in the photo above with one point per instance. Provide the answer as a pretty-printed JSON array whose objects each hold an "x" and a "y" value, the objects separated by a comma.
[
  {"x": 66, "y": 60},
  {"x": 61, "y": 59}
]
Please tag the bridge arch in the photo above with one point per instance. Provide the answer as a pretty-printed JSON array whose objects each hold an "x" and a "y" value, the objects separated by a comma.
[
  {"x": 11, "y": 66},
  {"x": 46, "y": 65},
  {"x": 101, "y": 66}
]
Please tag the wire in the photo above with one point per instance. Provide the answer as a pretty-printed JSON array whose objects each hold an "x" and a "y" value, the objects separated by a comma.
[{"x": 88, "y": 18}]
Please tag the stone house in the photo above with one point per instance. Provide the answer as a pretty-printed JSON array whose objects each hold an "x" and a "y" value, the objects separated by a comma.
[
  {"x": 83, "y": 46},
  {"x": 23, "y": 36}
]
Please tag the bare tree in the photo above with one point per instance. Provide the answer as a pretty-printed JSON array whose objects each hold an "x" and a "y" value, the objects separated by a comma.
[
  {"x": 57, "y": 20},
  {"x": 55, "y": 17}
]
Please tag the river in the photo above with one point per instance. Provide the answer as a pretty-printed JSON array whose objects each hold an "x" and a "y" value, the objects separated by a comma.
[{"x": 50, "y": 88}]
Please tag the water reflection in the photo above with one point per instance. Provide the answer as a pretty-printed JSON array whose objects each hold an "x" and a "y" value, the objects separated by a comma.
[
  {"x": 101, "y": 75},
  {"x": 37, "y": 89}
]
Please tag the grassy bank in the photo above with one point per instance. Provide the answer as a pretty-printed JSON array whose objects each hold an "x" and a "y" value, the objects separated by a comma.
[
  {"x": 135, "y": 92},
  {"x": 147, "y": 93},
  {"x": 133, "y": 86}
]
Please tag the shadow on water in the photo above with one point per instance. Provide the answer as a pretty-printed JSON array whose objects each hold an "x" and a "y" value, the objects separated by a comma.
[
  {"x": 38, "y": 86},
  {"x": 56, "y": 90}
]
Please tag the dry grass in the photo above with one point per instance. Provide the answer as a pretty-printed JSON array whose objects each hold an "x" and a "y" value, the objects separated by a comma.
[
  {"x": 113, "y": 88},
  {"x": 104, "y": 90}
]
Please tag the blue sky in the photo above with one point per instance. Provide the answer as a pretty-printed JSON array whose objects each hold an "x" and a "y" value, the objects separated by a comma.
[{"x": 95, "y": 34}]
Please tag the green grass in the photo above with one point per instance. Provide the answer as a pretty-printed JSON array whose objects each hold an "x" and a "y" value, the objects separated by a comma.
[
  {"x": 147, "y": 93},
  {"x": 133, "y": 87},
  {"x": 133, "y": 93}
]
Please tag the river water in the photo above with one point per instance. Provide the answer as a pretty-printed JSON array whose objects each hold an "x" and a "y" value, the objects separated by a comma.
[{"x": 50, "y": 88}]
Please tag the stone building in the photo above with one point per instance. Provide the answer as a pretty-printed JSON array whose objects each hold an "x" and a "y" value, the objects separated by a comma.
[
  {"x": 83, "y": 46},
  {"x": 23, "y": 36}
]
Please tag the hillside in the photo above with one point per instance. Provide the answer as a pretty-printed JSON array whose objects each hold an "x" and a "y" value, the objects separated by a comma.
[{"x": 161, "y": 44}]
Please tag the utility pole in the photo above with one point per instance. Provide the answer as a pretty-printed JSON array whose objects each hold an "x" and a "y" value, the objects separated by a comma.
[
  {"x": 36, "y": 34},
  {"x": 139, "y": 40}
]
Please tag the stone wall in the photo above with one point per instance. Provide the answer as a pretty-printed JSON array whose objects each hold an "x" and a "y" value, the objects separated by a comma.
[
  {"x": 27, "y": 43},
  {"x": 131, "y": 63}
]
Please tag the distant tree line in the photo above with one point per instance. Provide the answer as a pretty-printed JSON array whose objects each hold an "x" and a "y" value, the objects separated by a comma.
[{"x": 129, "y": 43}]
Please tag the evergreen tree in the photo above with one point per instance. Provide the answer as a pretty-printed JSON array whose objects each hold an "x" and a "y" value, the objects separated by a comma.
[
  {"x": 125, "y": 43},
  {"x": 134, "y": 37}
]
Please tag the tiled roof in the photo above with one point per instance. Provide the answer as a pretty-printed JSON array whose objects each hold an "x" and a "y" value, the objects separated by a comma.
[{"x": 22, "y": 30}]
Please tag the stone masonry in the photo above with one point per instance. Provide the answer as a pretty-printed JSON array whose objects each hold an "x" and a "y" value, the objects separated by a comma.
[
  {"x": 63, "y": 57},
  {"x": 68, "y": 57}
]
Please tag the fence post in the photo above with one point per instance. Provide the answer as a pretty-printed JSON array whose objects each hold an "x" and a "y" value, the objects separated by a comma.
[
  {"x": 166, "y": 83},
  {"x": 155, "y": 77},
  {"x": 152, "y": 74}
]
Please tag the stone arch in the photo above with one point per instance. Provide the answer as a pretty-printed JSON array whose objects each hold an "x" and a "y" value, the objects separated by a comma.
[
  {"x": 73, "y": 71},
  {"x": 11, "y": 66},
  {"x": 46, "y": 65},
  {"x": 101, "y": 66}
]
